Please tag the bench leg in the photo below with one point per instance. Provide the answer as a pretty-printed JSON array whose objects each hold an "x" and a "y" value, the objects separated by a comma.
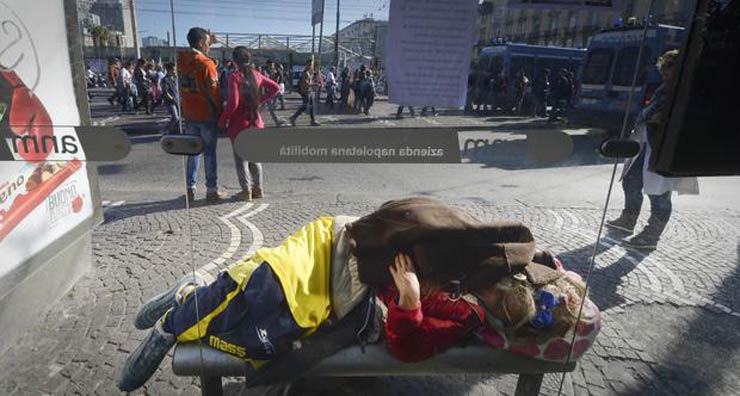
[
  {"x": 529, "y": 384},
  {"x": 211, "y": 386}
]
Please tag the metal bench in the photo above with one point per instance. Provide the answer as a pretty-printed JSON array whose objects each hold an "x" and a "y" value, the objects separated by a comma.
[{"x": 375, "y": 362}]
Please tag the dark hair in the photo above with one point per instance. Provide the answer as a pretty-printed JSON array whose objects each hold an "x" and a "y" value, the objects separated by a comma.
[
  {"x": 249, "y": 91},
  {"x": 195, "y": 35},
  {"x": 169, "y": 66}
]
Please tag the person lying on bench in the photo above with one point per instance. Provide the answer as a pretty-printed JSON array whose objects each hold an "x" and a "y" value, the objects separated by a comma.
[{"x": 329, "y": 272}]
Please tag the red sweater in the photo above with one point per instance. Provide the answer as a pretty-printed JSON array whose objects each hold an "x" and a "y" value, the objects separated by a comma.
[
  {"x": 438, "y": 324},
  {"x": 236, "y": 112}
]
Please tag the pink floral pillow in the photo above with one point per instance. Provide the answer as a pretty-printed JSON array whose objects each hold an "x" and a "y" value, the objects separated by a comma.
[{"x": 554, "y": 349}]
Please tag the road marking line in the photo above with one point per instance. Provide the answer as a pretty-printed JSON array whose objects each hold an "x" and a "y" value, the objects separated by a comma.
[{"x": 210, "y": 269}]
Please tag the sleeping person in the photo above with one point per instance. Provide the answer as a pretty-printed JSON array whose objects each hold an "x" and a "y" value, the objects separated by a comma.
[{"x": 331, "y": 280}]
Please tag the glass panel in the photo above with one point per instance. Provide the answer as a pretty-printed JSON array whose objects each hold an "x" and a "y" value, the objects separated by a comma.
[
  {"x": 85, "y": 238},
  {"x": 525, "y": 114},
  {"x": 598, "y": 66},
  {"x": 624, "y": 69}
]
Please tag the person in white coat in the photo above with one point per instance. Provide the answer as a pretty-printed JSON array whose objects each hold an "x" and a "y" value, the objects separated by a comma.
[{"x": 637, "y": 179}]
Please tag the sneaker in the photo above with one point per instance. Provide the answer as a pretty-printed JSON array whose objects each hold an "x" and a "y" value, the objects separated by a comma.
[
  {"x": 155, "y": 307},
  {"x": 292, "y": 121},
  {"x": 398, "y": 116},
  {"x": 244, "y": 195},
  {"x": 314, "y": 123},
  {"x": 281, "y": 123},
  {"x": 624, "y": 222},
  {"x": 643, "y": 241},
  {"x": 145, "y": 359},
  {"x": 215, "y": 196},
  {"x": 257, "y": 192}
]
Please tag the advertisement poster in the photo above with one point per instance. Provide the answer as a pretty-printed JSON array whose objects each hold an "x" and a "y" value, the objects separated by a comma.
[
  {"x": 45, "y": 193},
  {"x": 429, "y": 47}
]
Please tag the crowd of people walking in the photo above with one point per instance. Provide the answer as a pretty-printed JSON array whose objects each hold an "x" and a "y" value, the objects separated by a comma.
[{"x": 549, "y": 95}]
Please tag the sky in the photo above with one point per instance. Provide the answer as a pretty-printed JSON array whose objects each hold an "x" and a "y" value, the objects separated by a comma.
[{"x": 249, "y": 16}]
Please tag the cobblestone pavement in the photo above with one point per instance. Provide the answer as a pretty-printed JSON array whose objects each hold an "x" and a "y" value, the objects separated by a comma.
[{"x": 670, "y": 316}]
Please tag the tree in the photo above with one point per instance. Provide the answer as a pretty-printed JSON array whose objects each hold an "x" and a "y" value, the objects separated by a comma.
[{"x": 100, "y": 35}]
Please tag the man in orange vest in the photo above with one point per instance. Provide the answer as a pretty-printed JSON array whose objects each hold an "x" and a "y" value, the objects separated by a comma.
[{"x": 201, "y": 107}]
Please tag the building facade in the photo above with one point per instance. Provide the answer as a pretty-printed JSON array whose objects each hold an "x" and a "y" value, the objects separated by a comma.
[
  {"x": 362, "y": 36},
  {"x": 115, "y": 15},
  {"x": 501, "y": 22}
]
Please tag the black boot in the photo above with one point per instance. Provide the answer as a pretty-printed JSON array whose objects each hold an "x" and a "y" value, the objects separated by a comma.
[
  {"x": 625, "y": 222},
  {"x": 649, "y": 237}
]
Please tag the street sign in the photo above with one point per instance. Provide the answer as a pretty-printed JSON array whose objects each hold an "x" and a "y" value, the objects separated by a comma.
[{"x": 317, "y": 11}]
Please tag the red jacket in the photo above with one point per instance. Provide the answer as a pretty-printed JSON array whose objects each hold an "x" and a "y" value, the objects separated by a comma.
[
  {"x": 236, "y": 113},
  {"x": 438, "y": 324}
]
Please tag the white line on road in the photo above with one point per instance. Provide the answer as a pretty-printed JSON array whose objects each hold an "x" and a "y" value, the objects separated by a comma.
[{"x": 209, "y": 270}]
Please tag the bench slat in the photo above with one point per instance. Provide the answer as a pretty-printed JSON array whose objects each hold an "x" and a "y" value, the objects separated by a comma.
[{"x": 376, "y": 361}]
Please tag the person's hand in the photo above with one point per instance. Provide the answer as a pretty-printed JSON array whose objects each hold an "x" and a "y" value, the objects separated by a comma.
[
  {"x": 212, "y": 38},
  {"x": 406, "y": 282}
]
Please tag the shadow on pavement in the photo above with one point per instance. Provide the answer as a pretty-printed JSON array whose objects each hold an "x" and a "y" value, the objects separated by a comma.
[
  {"x": 142, "y": 209},
  {"x": 700, "y": 357},
  {"x": 604, "y": 280},
  {"x": 111, "y": 169}
]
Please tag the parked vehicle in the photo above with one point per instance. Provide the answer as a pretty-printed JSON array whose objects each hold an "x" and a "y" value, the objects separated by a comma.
[
  {"x": 606, "y": 78},
  {"x": 499, "y": 65}
]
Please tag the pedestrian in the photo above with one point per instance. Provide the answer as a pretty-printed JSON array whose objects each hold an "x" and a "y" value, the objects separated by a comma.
[
  {"x": 637, "y": 179},
  {"x": 425, "y": 109},
  {"x": 356, "y": 87},
  {"x": 483, "y": 101},
  {"x": 279, "y": 77},
  {"x": 144, "y": 85},
  {"x": 399, "y": 112},
  {"x": 367, "y": 90},
  {"x": 541, "y": 91},
  {"x": 156, "y": 74},
  {"x": 562, "y": 92},
  {"x": 202, "y": 106},
  {"x": 345, "y": 85},
  {"x": 305, "y": 89},
  {"x": 522, "y": 86},
  {"x": 331, "y": 87},
  {"x": 248, "y": 90},
  {"x": 114, "y": 72},
  {"x": 266, "y": 71},
  {"x": 171, "y": 98},
  {"x": 126, "y": 86}
]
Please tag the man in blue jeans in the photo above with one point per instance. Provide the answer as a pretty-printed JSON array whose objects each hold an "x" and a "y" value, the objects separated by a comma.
[{"x": 202, "y": 105}]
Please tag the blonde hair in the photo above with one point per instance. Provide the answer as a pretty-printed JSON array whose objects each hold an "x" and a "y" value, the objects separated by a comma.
[
  {"x": 668, "y": 59},
  {"x": 570, "y": 293}
]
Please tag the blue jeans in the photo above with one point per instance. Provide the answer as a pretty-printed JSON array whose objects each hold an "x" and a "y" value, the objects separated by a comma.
[
  {"x": 660, "y": 205},
  {"x": 209, "y": 132},
  {"x": 174, "y": 124}
]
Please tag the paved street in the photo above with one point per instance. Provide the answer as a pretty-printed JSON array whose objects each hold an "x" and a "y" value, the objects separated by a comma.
[{"x": 671, "y": 316}]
